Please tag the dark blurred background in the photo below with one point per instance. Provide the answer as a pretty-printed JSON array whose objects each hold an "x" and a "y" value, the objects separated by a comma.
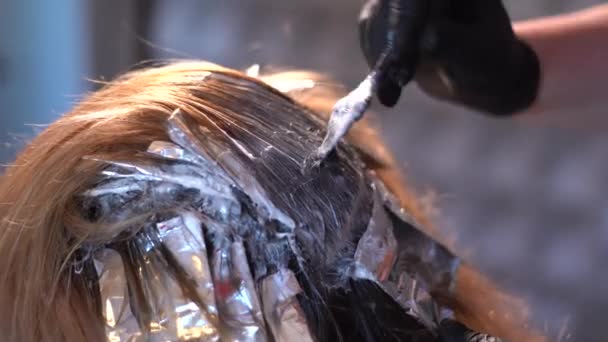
[{"x": 527, "y": 202}]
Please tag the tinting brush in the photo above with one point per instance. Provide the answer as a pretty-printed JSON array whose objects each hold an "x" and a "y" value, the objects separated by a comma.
[
  {"x": 390, "y": 33},
  {"x": 345, "y": 113},
  {"x": 389, "y": 44}
]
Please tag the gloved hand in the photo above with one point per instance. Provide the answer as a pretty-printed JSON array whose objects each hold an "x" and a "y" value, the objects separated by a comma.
[{"x": 461, "y": 51}]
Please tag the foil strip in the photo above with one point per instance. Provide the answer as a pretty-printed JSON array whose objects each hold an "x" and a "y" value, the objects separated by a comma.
[
  {"x": 282, "y": 309},
  {"x": 174, "y": 317},
  {"x": 121, "y": 325},
  {"x": 433, "y": 265},
  {"x": 162, "y": 293},
  {"x": 239, "y": 307},
  {"x": 183, "y": 236},
  {"x": 377, "y": 248},
  {"x": 407, "y": 263}
]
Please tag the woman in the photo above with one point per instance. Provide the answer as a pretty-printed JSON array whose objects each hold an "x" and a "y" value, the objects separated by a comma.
[{"x": 173, "y": 205}]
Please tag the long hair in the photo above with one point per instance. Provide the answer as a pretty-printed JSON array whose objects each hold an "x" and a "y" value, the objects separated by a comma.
[{"x": 42, "y": 226}]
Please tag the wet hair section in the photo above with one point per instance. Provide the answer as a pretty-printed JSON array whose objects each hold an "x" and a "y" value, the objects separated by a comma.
[{"x": 217, "y": 234}]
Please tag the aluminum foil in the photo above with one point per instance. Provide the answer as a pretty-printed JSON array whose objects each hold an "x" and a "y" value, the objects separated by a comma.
[
  {"x": 184, "y": 198},
  {"x": 282, "y": 309},
  {"x": 121, "y": 325},
  {"x": 178, "y": 179},
  {"x": 239, "y": 306},
  {"x": 175, "y": 318},
  {"x": 408, "y": 263},
  {"x": 432, "y": 264},
  {"x": 377, "y": 248},
  {"x": 227, "y": 280},
  {"x": 183, "y": 236}
]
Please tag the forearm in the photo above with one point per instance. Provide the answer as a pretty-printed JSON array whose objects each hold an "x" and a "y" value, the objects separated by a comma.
[{"x": 573, "y": 52}]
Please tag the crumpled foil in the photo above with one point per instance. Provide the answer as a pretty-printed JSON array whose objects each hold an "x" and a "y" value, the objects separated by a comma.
[
  {"x": 176, "y": 318},
  {"x": 239, "y": 306},
  {"x": 121, "y": 325},
  {"x": 417, "y": 253},
  {"x": 377, "y": 248},
  {"x": 408, "y": 263},
  {"x": 282, "y": 309},
  {"x": 184, "y": 238},
  {"x": 180, "y": 178},
  {"x": 201, "y": 231}
]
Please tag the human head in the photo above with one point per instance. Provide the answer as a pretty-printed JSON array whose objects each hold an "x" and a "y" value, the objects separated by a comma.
[{"x": 249, "y": 141}]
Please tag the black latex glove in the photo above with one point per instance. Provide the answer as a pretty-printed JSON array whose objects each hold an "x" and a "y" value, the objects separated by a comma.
[{"x": 463, "y": 51}]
